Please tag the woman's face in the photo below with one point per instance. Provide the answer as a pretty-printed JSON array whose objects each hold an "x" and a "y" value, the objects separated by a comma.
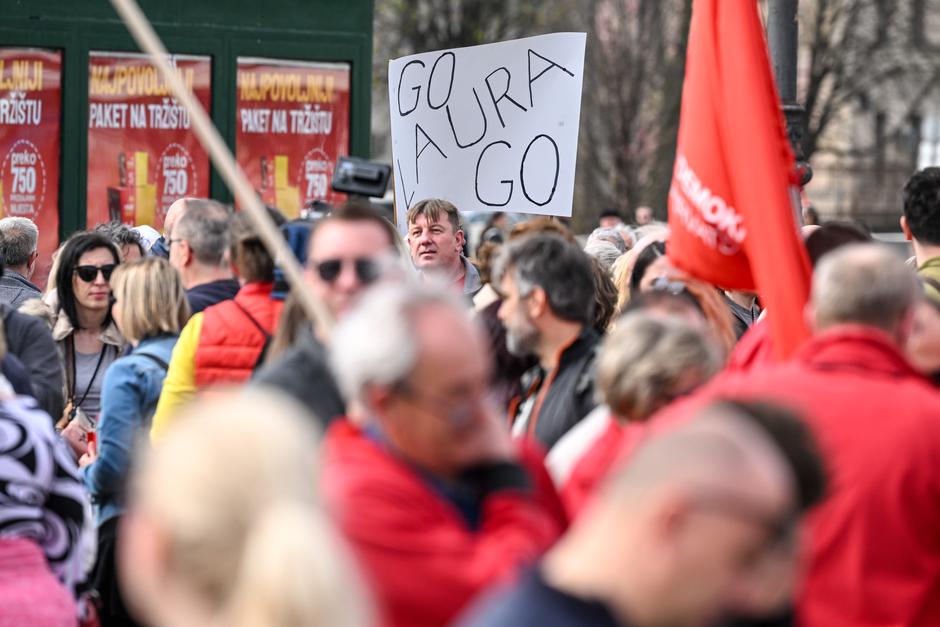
[{"x": 93, "y": 294}]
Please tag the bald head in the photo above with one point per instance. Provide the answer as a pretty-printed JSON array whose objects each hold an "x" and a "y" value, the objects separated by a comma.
[
  {"x": 864, "y": 284},
  {"x": 173, "y": 213},
  {"x": 718, "y": 451}
]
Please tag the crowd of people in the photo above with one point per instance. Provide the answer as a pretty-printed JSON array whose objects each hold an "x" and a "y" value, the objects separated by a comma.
[{"x": 535, "y": 429}]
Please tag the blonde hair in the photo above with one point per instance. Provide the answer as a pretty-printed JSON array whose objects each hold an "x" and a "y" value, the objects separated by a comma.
[
  {"x": 152, "y": 299},
  {"x": 646, "y": 357},
  {"x": 236, "y": 498}
]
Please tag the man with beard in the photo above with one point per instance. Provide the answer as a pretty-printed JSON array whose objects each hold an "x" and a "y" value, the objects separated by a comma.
[{"x": 548, "y": 306}]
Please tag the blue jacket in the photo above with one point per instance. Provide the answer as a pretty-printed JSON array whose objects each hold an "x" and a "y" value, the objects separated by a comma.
[{"x": 129, "y": 395}]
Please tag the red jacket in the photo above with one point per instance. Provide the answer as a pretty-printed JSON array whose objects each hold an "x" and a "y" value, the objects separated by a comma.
[
  {"x": 874, "y": 544},
  {"x": 754, "y": 349},
  {"x": 873, "y": 547},
  {"x": 423, "y": 561},
  {"x": 230, "y": 343}
]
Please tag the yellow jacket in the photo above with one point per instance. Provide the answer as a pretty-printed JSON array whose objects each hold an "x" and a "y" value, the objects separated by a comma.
[{"x": 179, "y": 387}]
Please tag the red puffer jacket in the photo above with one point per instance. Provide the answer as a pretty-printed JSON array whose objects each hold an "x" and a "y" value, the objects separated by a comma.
[
  {"x": 231, "y": 341},
  {"x": 423, "y": 561}
]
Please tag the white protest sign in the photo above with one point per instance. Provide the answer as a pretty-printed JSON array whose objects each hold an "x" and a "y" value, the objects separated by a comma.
[{"x": 489, "y": 128}]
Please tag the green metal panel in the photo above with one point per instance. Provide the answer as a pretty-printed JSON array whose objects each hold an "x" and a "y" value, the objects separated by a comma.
[{"x": 319, "y": 30}]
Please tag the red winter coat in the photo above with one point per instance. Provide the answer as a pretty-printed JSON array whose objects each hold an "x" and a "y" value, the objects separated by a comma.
[
  {"x": 754, "y": 350},
  {"x": 873, "y": 547},
  {"x": 230, "y": 343},
  {"x": 424, "y": 563},
  {"x": 874, "y": 544}
]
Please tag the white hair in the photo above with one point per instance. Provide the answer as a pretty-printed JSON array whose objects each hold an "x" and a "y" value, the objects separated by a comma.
[
  {"x": 603, "y": 251},
  {"x": 20, "y": 238},
  {"x": 374, "y": 344}
]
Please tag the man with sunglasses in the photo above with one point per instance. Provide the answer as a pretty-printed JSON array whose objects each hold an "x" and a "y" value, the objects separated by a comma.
[
  {"x": 348, "y": 251},
  {"x": 422, "y": 478},
  {"x": 698, "y": 527}
]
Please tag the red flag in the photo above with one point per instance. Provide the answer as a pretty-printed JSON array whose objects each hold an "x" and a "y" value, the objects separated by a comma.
[{"x": 731, "y": 203}]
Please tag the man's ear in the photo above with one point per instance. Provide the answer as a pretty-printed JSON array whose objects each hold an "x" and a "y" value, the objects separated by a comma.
[
  {"x": 187, "y": 254},
  {"x": 461, "y": 238},
  {"x": 31, "y": 264},
  {"x": 906, "y": 229},
  {"x": 537, "y": 303},
  {"x": 378, "y": 399},
  {"x": 906, "y": 326}
]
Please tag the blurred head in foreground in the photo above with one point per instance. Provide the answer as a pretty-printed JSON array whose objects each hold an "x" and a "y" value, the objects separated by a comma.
[
  {"x": 701, "y": 524},
  {"x": 224, "y": 525}
]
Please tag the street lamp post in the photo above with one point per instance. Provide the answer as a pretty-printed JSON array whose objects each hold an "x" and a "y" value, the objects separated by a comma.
[{"x": 782, "y": 38}]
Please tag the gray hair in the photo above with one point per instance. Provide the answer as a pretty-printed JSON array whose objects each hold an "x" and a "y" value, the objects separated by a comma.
[
  {"x": 604, "y": 252},
  {"x": 865, "y": 284},
  {"x": 19, "y": 239},
  {"x": 609, "y": 235},
  {"x": 644, "y": 359},
  {"x": 374, "y": 344},
  {"x": 205, "y": 227},
  {"x": 561, "y": 269}
]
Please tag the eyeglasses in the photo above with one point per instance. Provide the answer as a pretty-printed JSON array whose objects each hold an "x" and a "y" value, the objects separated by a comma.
[
  {"x": 90, "y": 273},
  {"x": 367, "y": 270},
  {"x": 781, "y": 529},
  {"x": 664, "y": 284},
  {"x": 456, "y": 411}
]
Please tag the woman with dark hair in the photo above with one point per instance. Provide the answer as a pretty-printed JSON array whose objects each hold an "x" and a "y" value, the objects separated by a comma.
[
  {"x": 650, "y": 264},
  {"x": 87, "y": 337}
]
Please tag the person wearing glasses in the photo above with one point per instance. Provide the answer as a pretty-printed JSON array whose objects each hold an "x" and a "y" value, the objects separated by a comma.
[
  {"x": 198, "y": 245},
  {"x": 423, "y": 478},
  {"x": 699, "y": 527},
  {"x": 149, "y": 308},
  {"x": 227, "y": 342},
  {"x": 86, "y": 334},
  {"x": 348, "y": 251}
]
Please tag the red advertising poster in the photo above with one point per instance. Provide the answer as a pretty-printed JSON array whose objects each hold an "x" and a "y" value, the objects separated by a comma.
[
  {"x": 292, "y": 123},
  {"x": 30, "y": 103},
  {"x": 142, "y": 152}
]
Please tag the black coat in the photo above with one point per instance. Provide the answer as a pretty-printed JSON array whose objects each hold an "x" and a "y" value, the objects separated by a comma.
[
  {"x": 569, "y": 398},
  {"x": 30, "y": 339},
  {"x": 303, "y": 373}
]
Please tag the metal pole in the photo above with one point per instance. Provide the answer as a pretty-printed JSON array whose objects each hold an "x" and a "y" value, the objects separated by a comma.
[
  {"x": 222, "y": 158},
  {"x": 783, "y": 41}
]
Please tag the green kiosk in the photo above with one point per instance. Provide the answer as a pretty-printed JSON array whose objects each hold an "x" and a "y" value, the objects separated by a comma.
[{"x": 89, "y": 132}]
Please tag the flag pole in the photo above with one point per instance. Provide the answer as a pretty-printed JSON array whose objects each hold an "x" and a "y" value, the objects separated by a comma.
[{"x": 143, "y": 33}]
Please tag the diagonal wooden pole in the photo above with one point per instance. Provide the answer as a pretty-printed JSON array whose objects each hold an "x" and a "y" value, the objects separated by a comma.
[{"x": 224, "y": 162}]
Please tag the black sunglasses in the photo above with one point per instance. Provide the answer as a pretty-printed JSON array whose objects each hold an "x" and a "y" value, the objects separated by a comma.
[
  {"x": 367, "y": 270},
  {"x": 90, "y": 273}
]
